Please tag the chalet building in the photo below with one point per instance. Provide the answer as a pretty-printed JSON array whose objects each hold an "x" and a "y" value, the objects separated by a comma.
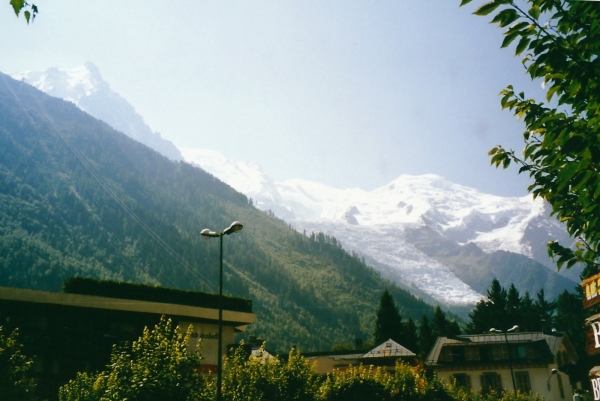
[
  {"x": 65, "y": 333},
  {"x": 489, "y": 362},
  {"x": 385, "y": 355}
]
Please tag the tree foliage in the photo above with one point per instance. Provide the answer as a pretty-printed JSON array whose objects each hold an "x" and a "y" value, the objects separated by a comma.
[
  {"x": 502, "y": 310},
  {"x": 559, "y": 43},
  {"x": 15, "y": 385},
  {"x": 30, "y": 12},
  {"x": 388, "y": 322},
  {"x": 158, "y": 366},
  {"x": 263, "y": 377}
]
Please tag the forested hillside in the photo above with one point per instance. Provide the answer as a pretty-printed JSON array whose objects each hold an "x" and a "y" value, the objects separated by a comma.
[{"x": 78, "y": 198}]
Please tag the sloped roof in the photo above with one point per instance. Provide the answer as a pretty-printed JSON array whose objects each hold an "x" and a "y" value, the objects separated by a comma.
[
  {"x": 552, "y": 342},
  {"x": 387, "y": 349}
]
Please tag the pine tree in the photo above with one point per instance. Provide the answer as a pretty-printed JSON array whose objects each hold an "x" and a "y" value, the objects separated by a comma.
[
  {"x": 491, "y": 312},
  {"x": 529, "y": 319},
  {"x": 545, "y": 310},
  {"x": 439, "y": 323},
  {"x": 388, "y": 322},
  {"x": 570, "y": 317},
  {"x": 410, "y": 339},
  {"x": 426, "y": 337},
  {"x": 453, "y": 329},
  {"x": 513, "y": 306}
]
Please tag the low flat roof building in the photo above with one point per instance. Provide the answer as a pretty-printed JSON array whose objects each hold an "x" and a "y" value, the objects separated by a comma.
[{"x": 66, "y": 333}]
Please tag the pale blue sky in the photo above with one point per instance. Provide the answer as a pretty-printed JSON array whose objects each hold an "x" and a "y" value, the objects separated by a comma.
[{"x": 346, "y": 93}]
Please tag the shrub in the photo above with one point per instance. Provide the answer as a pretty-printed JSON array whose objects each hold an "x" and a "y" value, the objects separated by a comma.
[
  {"x": 14, "y": 383},
  {"x": 264, "y": 377},
  {"x": 157, "y": 366}
]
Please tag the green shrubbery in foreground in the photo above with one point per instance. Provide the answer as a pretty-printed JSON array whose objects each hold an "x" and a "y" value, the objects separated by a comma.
[{"x": 159, "y": 367}]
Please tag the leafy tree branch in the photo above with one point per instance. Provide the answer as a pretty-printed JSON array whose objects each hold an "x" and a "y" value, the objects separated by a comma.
[{"x": 559, "y": 43}]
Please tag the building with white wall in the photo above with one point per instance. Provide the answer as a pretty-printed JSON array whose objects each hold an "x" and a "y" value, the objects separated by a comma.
[{"x": 489, "y": 362}]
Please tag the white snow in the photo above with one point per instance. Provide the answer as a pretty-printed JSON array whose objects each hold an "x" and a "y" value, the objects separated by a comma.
[
  {"x": 85, "y": 87},
  {"x": 372, "y": 223}
]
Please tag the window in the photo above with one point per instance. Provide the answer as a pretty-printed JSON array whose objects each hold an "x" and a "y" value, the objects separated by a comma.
[
  {"x": 490, "y": 381},
  {"x": 521, "y": 352},
  {"x": 472, "y": 354},
  {"x": 560, "y": 386},
  {"x": 462, "y": 380},
  {"x": 531, "y": 352},
  {"x": 522, "y": 382},
  {"x": 447, "y": 354},
  {"x": 500, "y": 352}
]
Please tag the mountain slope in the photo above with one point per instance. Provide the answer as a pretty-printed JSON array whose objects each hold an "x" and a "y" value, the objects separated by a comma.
[{"x": 71, "y": 189}]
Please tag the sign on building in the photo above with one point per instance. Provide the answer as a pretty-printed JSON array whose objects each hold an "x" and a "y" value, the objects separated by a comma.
[{"x": 591, "y": 290}]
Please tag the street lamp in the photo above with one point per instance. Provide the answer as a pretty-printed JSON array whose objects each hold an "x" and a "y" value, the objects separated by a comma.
[
  {"x": 515, "y": 328},
  {"x": 552, "y": 372},
  {"x": 208, "y": 234}
]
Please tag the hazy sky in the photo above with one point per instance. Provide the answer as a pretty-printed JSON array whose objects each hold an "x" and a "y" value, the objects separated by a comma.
[{"x": 346, "y": 93}]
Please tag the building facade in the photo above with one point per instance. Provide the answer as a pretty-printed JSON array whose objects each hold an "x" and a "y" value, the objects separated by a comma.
[{"x": 527, "y": 362}]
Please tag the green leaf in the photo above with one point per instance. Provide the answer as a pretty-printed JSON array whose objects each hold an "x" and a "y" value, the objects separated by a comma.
[
  {"x": 522, "y": 45},
  {"x": 510, "y": 36},
  {"x": 534, "y": 12},
  {"x": 17, "y": 5},
  {"x": 552, "y": 91},
  {"x": 463, "y": 2},
  {"x": 487, "y": 8},
  {"x": 27, "y": 15}
]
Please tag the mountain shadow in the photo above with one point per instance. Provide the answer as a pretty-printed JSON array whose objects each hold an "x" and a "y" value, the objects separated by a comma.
[{"x": 478, "y": 268}]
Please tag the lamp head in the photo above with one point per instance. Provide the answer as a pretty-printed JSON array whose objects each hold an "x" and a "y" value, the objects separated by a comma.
[
  {"x": 513, "y": 329},
  {"x": 554, "y": 371},
  {"x": 233, "y": 228},
  {"x": 493, "y": 330},
  {"x": 207, "y": 234}
]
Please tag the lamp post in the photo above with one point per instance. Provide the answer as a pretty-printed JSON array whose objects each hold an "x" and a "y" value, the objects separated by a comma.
[
  {"x": 552, "y": 372},
  {"x": 513, "y": 329},
  {"x": 208, "y": 234}
]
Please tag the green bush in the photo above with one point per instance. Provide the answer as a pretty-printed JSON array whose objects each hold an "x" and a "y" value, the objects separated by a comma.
[
  {"x": 263, "y": 377},
  {"x": 14, "y": 383},
  {"x": 355, "y": 384},
  {"x": 157, "y": 366}
]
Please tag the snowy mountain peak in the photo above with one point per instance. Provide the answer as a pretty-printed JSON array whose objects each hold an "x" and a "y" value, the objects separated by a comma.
[
  {"x": 85, "y": 87},
  {"x": 71, "y": 84},
  {"x": 378, "y": 224}
]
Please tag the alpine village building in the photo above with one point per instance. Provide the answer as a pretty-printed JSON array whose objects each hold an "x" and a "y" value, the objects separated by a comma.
[{"x": 527, "y": 362}]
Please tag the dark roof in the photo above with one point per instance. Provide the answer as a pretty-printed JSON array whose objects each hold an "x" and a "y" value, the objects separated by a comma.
[
  {"x": 143, "y": 292},
  {"x": 342, "y": 353},
  {"x": 547, "y": 343}
]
